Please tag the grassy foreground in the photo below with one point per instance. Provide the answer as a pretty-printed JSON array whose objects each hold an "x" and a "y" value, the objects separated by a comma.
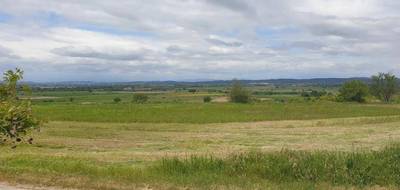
[
  {"x": 276, "y": 170},
  {"x": 244, "y": 155},
  {"x": 208, "y": 113}
]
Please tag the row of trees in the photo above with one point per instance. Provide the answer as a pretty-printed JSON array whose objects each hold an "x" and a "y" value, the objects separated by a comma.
[{"x": 383, "y": 87}]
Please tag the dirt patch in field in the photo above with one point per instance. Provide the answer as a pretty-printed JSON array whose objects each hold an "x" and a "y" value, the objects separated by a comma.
[
  {"x": 221, "y": 99},
  {"x": 6, "y": 186},
  {"x": 40, "y": 97}
]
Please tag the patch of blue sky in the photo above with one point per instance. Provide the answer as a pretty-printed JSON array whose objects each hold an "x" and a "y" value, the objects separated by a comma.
[
  {"x": 278, "y": 37},
  {"x": 114, "y": 31},
  {"x": 269, "y": 32},
  {"x": 4, "y": 17},
  {"x": 49, "y": 19}
]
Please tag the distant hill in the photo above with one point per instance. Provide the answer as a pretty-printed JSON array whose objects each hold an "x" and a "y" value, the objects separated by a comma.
[
  {"x": 305, "y": 82},
  {"x": 313, "y": 81}
]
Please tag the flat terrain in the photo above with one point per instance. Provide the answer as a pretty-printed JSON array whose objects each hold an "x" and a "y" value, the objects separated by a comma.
[
  {"x": 91, "y": 142},
  {"x": 178, "y": 107},
  {"x": 208, "y": 113},
  {"x": 62, "y": 148}
]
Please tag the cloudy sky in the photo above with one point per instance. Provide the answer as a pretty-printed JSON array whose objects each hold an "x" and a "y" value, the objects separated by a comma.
[{"x": 129, "y": 40}]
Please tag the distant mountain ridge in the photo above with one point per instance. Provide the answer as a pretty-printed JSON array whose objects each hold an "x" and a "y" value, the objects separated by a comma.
[{"x": 312, "y": 81}]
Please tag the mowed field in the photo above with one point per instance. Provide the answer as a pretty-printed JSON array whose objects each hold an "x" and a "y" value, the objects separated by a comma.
[
  {"x": 177, "y": 142},
  {"x": 171, "y": 107}
]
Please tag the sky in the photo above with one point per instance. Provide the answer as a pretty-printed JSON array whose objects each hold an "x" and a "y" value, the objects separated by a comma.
[{"x": 183, "y": 40}]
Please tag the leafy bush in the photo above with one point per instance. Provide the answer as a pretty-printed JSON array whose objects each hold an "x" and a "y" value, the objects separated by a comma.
[
  {"x": 16, "y": 118},
  {"x": 353, "y": 91},
  {"x": 207, "y": 99},
  {"x": 238, "y": 94},
  {"x": 140, "y": 98},
  {"x": 192, "y": 90},
  {"x": 328, "y": 97},
  {"x": 313, "y": 93},
  {"x": 117, "y": 99}
]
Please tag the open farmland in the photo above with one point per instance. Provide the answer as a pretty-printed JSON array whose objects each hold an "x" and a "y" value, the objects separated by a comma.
[
  {"x": 188, "y": 108},
  {"x": 113, "y": 155},
  {"x": 108, "y": 145}
]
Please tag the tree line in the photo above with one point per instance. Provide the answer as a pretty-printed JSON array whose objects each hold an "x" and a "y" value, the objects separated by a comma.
[{"x": 383, "y": 86}]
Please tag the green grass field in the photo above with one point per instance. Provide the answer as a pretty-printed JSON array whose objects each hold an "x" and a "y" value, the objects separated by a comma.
[
  {"x": 90, "y": 155},
  {"x": 207, "y": 113},
  {"x": 178, "y": 142}
]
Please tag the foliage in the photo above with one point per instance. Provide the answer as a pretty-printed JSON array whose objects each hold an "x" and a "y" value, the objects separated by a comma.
[
  {"x": 246, "y": 170},
  {"x": 16, "y": 118},
  {"x": 359, "y": 169},
  {"x": 328, "y": 97},
  {"x": 238, "y": 93},
  {"x": 140, "y": 98},
  {"x": 192, "y": 90},
  {"x": 313, "y": 93},
  {"x": 117, "y": 99},
  {"x": 384, "y": 86},
  {"x": 207, "y": 99},
  {"x": 354, "y": 90}
]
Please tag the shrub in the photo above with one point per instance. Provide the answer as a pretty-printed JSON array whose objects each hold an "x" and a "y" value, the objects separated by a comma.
[
  {"x": 238, "y": 94},
  {"x": 353, "y": 91},
  {"x": 140, "y": 98},
  {"x": 16, "y": 118},
  {"x": 192, "y": 90},
  {"x": 328, "y": 97},
  {"x": 313, "y": 93},
  {"x": 117, "y": 100},
  {"x": 207, "y": 99}
]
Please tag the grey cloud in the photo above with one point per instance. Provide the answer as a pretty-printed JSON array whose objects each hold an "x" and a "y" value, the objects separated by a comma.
[
  {"x": 219, "y": 41},
  {"x": 234, "y": 5},
  {"x": 181, "y": 42},
  {"x": 313, "y": 45},
  {"x": 88, "y": 52},
  {"x": 174, "y": 49},
  {"x": 304, "y": 45},
  {"x": 331, "y": 29},
  {"x": 7, "y": 53}
]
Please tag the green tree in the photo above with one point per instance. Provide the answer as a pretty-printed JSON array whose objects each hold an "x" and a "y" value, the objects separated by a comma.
[
  {"x": 384, "y": 86},
  {"x": 117, "y": 99},
  {"x": 207, "y": 99},
  {"x": 16, "y": 118},
  {"x": 238, "y": 94},
  {"x": 353, "y": 91}
]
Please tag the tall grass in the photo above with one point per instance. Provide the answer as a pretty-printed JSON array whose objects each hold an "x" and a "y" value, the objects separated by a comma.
[
  {"x": 336, "y": 168},
  {"x": 281, "y": 170}
]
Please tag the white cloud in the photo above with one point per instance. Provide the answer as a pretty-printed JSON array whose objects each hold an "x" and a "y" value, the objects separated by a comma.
[{"x": 157, "y": 40}]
